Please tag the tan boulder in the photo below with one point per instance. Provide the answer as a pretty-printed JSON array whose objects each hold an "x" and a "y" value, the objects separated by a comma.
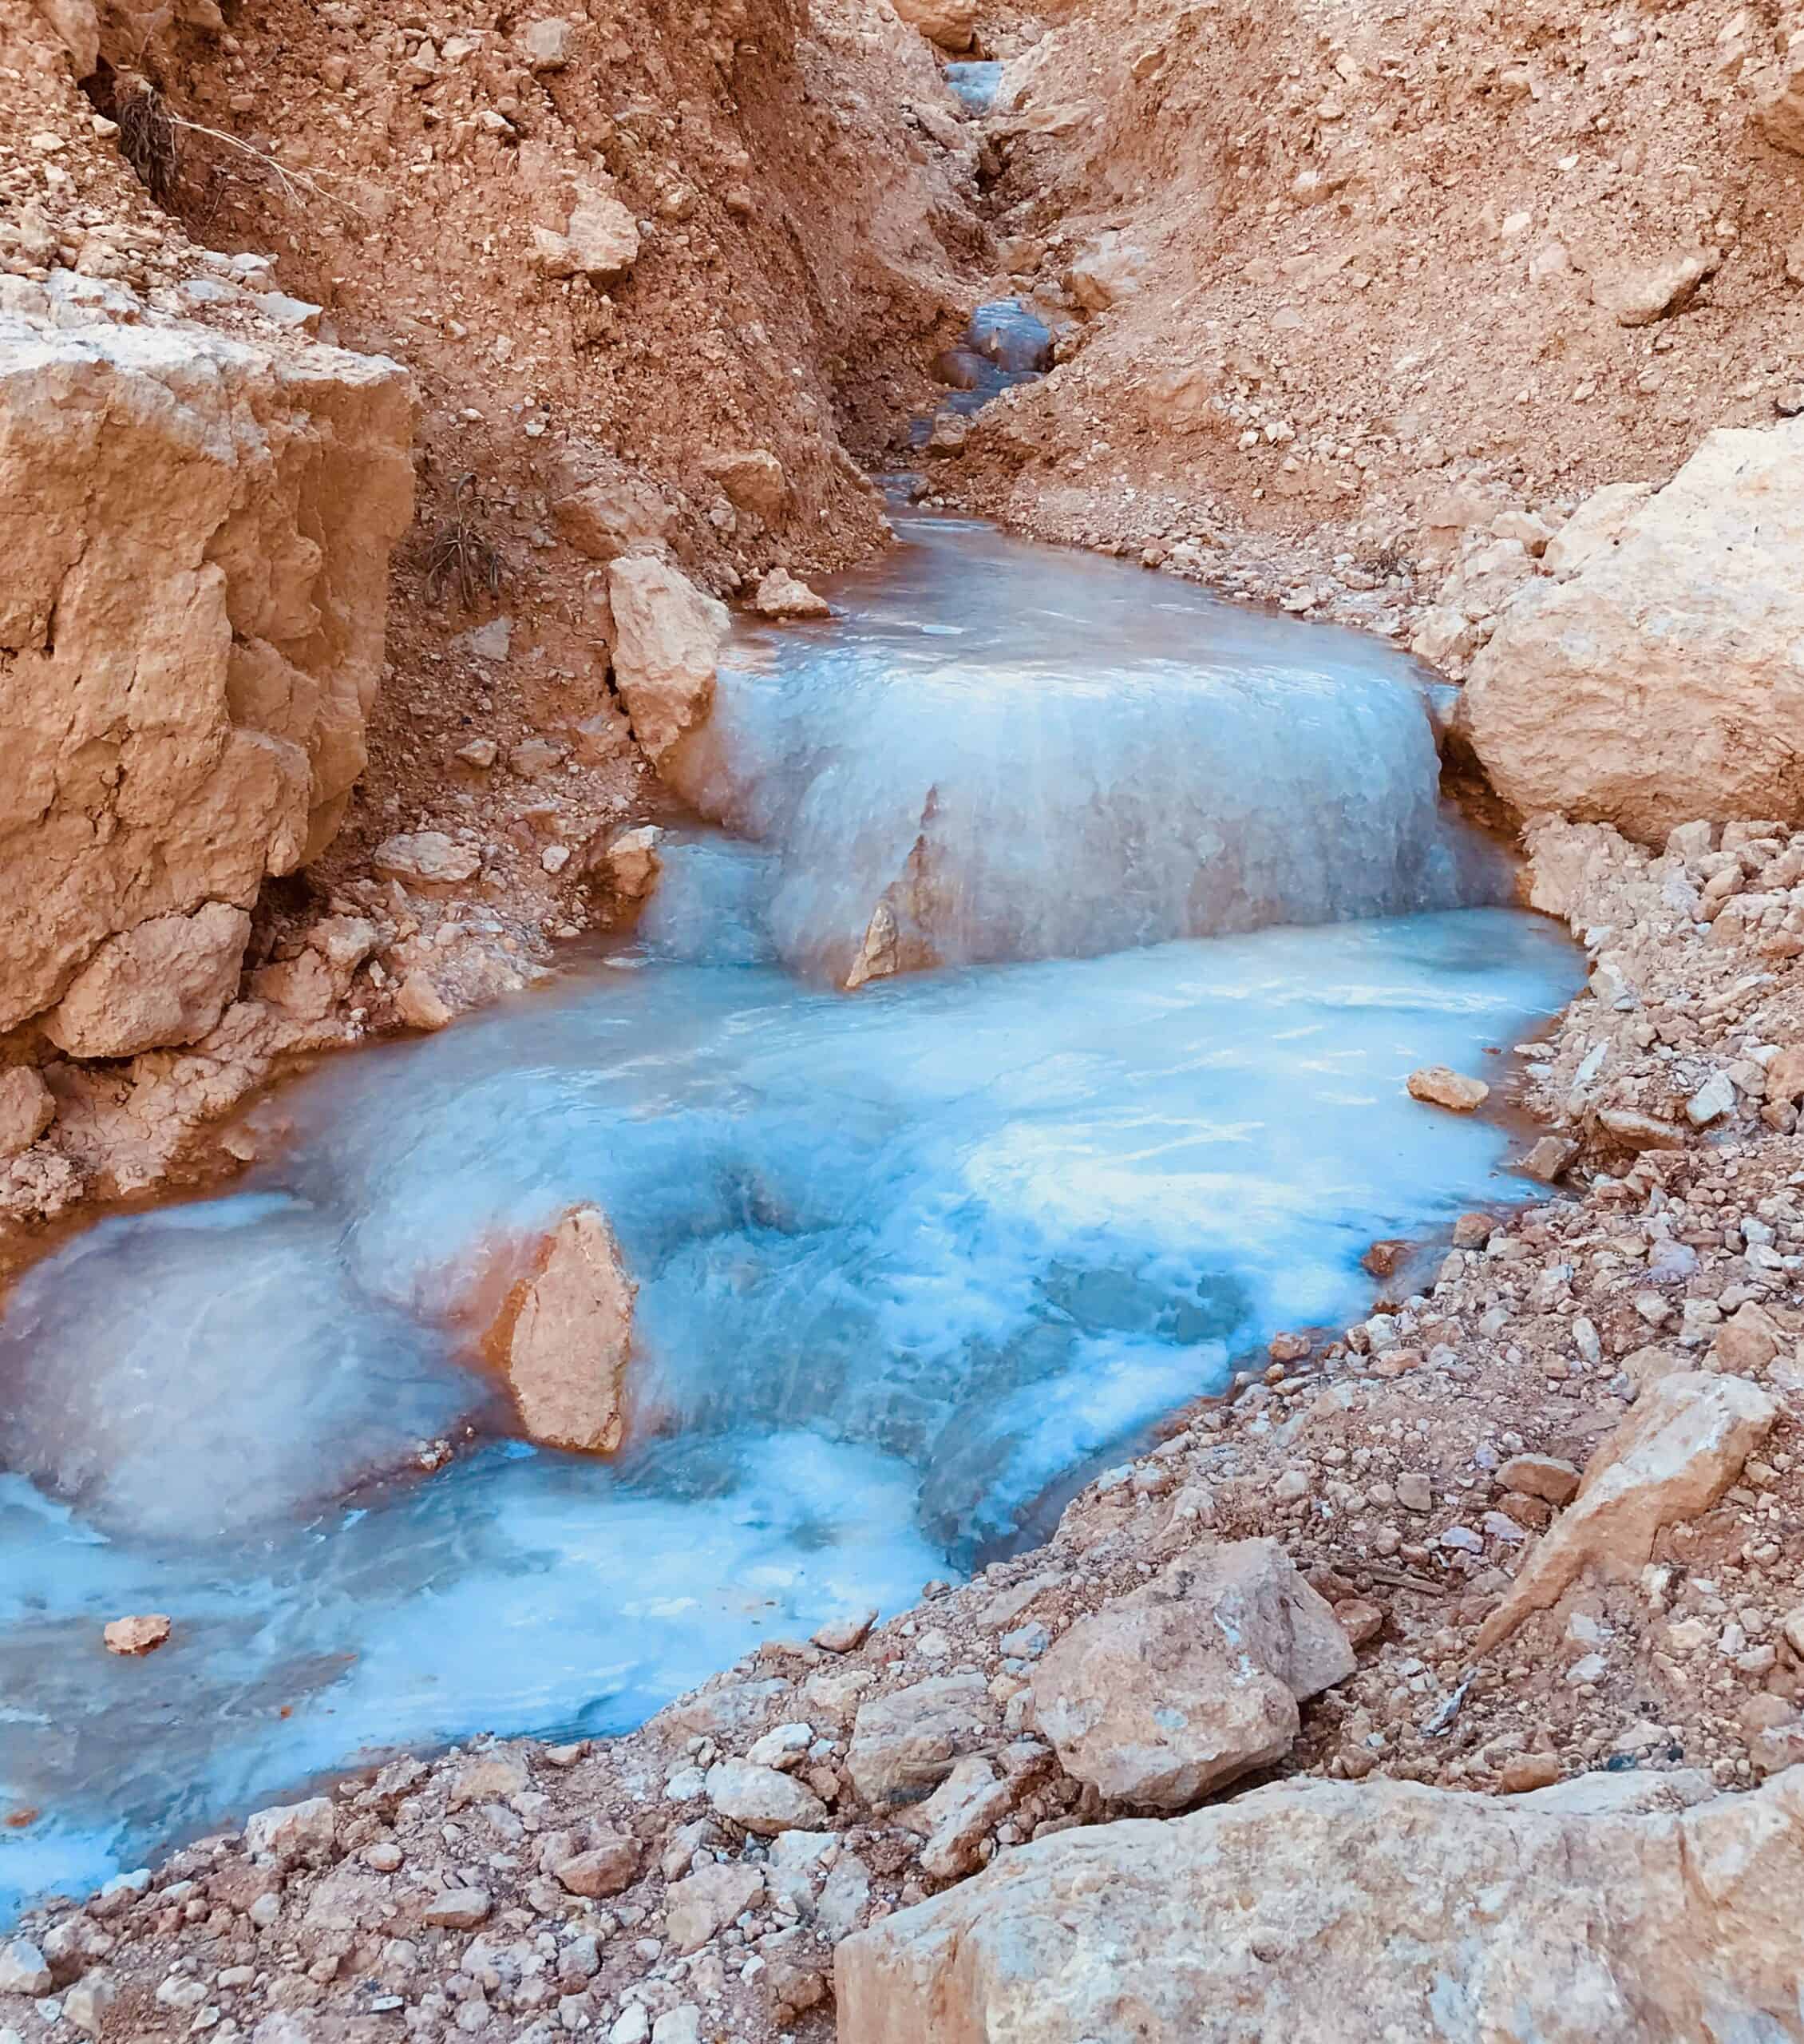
[
  {"x": 132, "y": 1636},
  {"x": 906, "y": 1744},
  {"x": 1781, "y": 114},
  {"x": 600, "y": 241},
  {"x": 669, "y": 635},
  {"x": 1639, "y": 294},
  {"x": 780, "y": 595},
  {"x": 167, "y": 981},
  {"x": 1105, "y": 271},
  {"x": 602, "y": 519},
  {"x": 752, "y": 480},
  {"x": 630, "y": 861},
  {"x": 1440, "y": 1086},
  {"x": 1169, "y": 1692},
  {"x": 1680, "y": 1447},
  {"x": 1662, "y": 680},
  {"x": 567, "y": 1336},
  {"x": 427, "y": 859},
  {"x": 952, "y": 24},
  {"x": 197, "y": 532},
  {"x": 27, "y": 1108},
  {"x": 1323, "y": 1913}
]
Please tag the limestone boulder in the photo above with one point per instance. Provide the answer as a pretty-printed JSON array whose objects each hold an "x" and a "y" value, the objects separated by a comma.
[
  {"x": 781, "y": 595},
  {"x": 1180, "y": 1687},
  {"x": 166, "y": 981},
  {"x": 197, "y": 532},
  {"x": 27, "y": 1108},
  {"x": 567, "y": 1336},
  {"x": 903, "y": 1745},
  {"x": 752, "y": 479},
  {"x": 1656, "y": 673},
  {"x": 1335, "y": 1913},
  {"x": 1679, "y": 1449},
  {"x": 668, "y": 635}
]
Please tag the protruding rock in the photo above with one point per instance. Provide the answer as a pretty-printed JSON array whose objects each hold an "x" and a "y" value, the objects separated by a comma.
[
  {"x": 600, "y": 241},
  {"x": 458, "y": 1909},
  {"x": 958, "y": 1815},
  {"x": 22, "y": 1969},
  {"x": 1180, "y": 1687},
  {"x": 427, "y": 859},
  {"x": 1679, "y": 1450},
  {"x": 167, "y": 981},
  {"x": 27, "y": 1108},
  {"x": 420, "y": 1004},
  {"x": 604, "y": 1868},
  {"x": 752, "y": 480},
  {"x": 567, "y": 1337},
  {"x": 763, "y": 1799},
  {"x": 1659, "y": 682},
  {"x": 952, "y": 24},
  {"x": 1323, "y": 1910},
  {"x": 293, "y": 1831},
  {"x": 1636, "y": 297},
  {"x": 667, "y": 649},
  {"x": 630, "y": 862},
  {"x": 1543, "y": 1476},
  {"x": 698, "y": 1908},
  {"x": 602, "y": 519},
  {"x": 780, "y": 595},
  {"x": 904, "y": 1745},
  {"x": 1442, "y": 1087},
  {"x": 136, "y": 1635}
]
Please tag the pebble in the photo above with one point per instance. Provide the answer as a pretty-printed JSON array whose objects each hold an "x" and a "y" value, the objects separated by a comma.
[{"x": 137, "y": 1635}]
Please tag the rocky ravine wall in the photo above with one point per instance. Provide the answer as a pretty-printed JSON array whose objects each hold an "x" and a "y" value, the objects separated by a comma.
[{"x": 197, "y": 532}]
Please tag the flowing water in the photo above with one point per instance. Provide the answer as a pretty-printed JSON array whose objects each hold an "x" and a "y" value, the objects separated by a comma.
[{"x": 907, "y": 1257}]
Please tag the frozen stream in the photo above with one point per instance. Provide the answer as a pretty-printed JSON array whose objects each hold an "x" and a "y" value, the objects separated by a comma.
[{"x": 906, "y": 1256}]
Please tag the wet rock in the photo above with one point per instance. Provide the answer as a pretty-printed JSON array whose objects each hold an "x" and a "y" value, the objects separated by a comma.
[
  {"x": 670, "y": 634},
  {"x": 1182, "y": 1686},
  {"x": 1350, "y": 1898},
  {"x": 1549, "y": 1158},
  {"x": 293, "y": 1831},
  {"x": 167, "y": 981},
  {"x": 780, "y": 594},
  {"x": 763, "y": 1799},
  {"x": 136, "y": 1635},
  {"x": 1641, "y": 691},
  {"x": 1442, "y": 1087},
  {"x": 567, "y": 1337},
  {"x": 27, "y": 1108},
  {"x": 1679, "y": 1449},
  {"x": 905, "y": 1743},
  {"x": 700, "y": 1907}
]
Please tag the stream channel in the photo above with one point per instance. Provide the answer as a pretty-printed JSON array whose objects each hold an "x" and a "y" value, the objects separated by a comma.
[{"x": 1190, "y": 910}]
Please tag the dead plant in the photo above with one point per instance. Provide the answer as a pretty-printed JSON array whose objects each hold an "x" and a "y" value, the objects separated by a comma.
[
  {"x": 462, "y": 560},
  {"x": 147, "y": 136}
]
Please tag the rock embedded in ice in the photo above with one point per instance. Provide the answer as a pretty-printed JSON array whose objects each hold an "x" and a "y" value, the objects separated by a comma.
[
  {"x": 566, "y": 1337},
  {"x": 136, "y": 1635},
  {"x": 1440, "y": 1086},
  {"x": 1172, "y": 1691}
]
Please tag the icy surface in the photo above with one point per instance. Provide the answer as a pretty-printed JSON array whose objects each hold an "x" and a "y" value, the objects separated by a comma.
[
  {"x": 906, "y": 1257},
  {"x": 1021, "y": 753}
]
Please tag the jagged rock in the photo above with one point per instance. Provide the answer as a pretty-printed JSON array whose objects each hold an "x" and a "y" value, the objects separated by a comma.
[
  {"x": 667, "y": 648},
  {"x": 1180, "y": 1687},
  {"x": 763, "y": 1799},
  {"x": 600, "y": 241},
  {"x": 957, "y": 1817},
  {"x": 1109, "y": 269},
  {"x": 1442, "y": 1087},
  {"x": 1636, "y": 297},
  {"x": 22, "y": 1969},
  {"x": 166, "y": 981},
  {"x": 1679, "y": 1450},
  {"x": 1320, "y": 1910},
  {"x": 293, "y": 1831},
  {"x": 458, "y": 1909},
  {"x": 1659, "y": 682},
  {"x": 630, "y": 862},
  {"x": 952, "y": 24},
  {"x": 567, "y": 1335},
  {"x": 27, "y": 1108},
  {"x": 605, "y": 1867},
  {"x": 208, "y": 524},
  {"x": 420, "y": 1004},
  {"x": 905, "y": 1743},
  {"x": 544, "y": 44},
  {"x": 1781, "y": 116},
  {"x": 602, "y": 519}
]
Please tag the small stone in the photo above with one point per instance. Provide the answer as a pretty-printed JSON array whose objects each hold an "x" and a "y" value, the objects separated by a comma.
[
  {"x": 1414, "y": 1491},
  {"x": 1711, "y": 1101},
  {"x": 845, "y": 1635},
  {"x": 458, "y": 1909},
  {"x": 679, "y": 2026},
  {"x": 481, "y": 753},
  {"x": 762, "y": 1799},
  {"x": 605, "y": 1868},
  {"x": 1548, "y": 1159},
  {"x": 1522, "y": 1776},
  {"x": 1543, "y": 1476},
  {"x": 384, "y": 1857},
  {"x": 1359, "y": 1619},
  {"x": 1440, "y": 1086},
  {"x": 137, "y": 1635},
  {"x": 292, "y": 1830},
  {"x": 784, "y": 1747}
]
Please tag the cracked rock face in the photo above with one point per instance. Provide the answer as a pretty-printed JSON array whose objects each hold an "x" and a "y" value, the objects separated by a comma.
[{"x": 197, "y": 532}]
